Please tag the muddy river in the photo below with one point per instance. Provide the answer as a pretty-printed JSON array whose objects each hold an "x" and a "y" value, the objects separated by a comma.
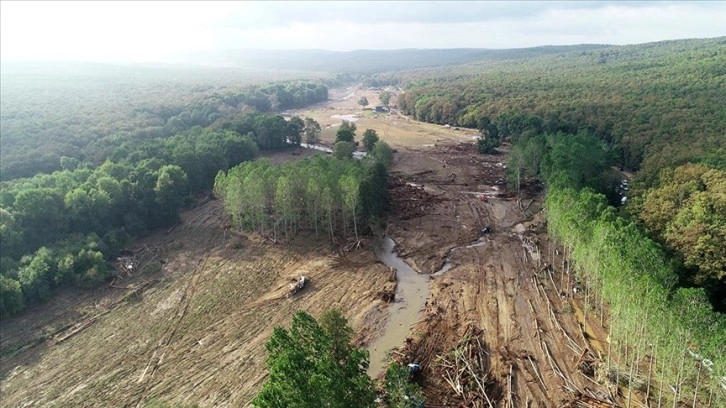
[{"x": 411, "y": 294}]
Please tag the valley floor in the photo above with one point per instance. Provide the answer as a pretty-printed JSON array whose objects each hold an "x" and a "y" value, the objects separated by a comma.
[{"x": 191, "y": 327}]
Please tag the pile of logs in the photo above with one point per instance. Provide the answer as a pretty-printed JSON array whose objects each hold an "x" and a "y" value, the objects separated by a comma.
[{"x": 466, "y": 370}]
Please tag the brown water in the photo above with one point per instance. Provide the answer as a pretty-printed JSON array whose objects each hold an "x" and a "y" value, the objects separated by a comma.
[{"x": 411, "y": 294}]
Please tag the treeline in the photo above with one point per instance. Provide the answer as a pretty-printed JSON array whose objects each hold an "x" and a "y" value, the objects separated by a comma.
[
  {"x": 652, "y": 107},
  {"x": 669, "y": 342},
  {"x": 322, "y": 194},
  {"x": 86, "y": 113},
  {"x": 280, "y": 96},
  {"x": 658, "y": 105},
  {"x": 62, "y": 228},
  {"x": 666, "y": 340}
]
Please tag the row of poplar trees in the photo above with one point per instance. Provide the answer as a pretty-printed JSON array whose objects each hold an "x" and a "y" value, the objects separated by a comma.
[
  {"x": 323, "y": 194},
  {"x": 665, "y": 340}
]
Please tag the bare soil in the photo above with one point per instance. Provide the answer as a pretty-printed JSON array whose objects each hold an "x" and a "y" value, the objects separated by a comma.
[
  {"x": 501, "y": 288},
  {"x": 190, "y": 324}
]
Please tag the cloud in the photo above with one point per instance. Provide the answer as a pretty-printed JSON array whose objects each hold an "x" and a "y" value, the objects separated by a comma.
[
  {"x": 281, "y": 14},
  {"x": 154, "y": 31}
]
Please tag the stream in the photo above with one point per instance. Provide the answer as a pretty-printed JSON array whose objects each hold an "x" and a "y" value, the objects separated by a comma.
[
  {"x": 356, "y": 154},
  {"x": 411, "y": 294}
]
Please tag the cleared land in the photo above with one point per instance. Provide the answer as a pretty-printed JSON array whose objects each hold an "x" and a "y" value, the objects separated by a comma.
[{"x": 190, "y": 324}]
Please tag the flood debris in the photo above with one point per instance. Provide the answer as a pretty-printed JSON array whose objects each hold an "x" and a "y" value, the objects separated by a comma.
[{"x": 297, "y": 286}]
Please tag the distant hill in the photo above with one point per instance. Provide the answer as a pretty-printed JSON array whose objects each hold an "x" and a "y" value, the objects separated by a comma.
[{"x": 370, "y": 61}]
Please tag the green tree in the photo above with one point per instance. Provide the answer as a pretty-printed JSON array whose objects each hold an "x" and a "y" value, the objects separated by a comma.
[
  {"x": 315, "y": 365},
  {"x": 385, "y": 98},
  {"x": 363, "y": 101},
  {"x": 343, "y": 149},
  {"x": 382, "y": 152},
  {"x": 487, "y": 145},
  {"x": 346, "y": 132},
  {"x": 11, "y": 296},
  {"x": 400, "y": 391},
  {"x": 312, "y": 131},
  {"x": 294, "y": 130},
  {"x": 370, "y": 137},
  {"x": 37, "y": 276},
  {"x": 171, "y": 188}
]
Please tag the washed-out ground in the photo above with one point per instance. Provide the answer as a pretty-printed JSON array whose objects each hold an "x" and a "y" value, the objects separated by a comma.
[{"x": 190, "y": 324}]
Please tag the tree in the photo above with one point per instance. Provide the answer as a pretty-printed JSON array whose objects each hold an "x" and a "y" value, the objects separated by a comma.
[
  {"x": 11, "y": 296},
  {"x": 382, "y": 152},
  {"x": 343, "y": 150},
  {"x": 385, "y": 98},
  {"x": 294, "y": 130},
  {"x": 315, "y": 365},
  {"x": 370, "y": 137},
  {"x": 487, "y": 145},
  {"x": 346, "y": 132},
  {"x": 350, "y": 188},
  {"x": 312, "y": 131},
  {"x": 363, "y": 101},
  {"x": 400, "y": 391},
  {"x": 374, "y": 191},
  {"x": 515, "y": 165},
  {"x": 171, "y": 188}
]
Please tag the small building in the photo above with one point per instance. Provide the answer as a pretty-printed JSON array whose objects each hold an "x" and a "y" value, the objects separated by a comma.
[{"x": 381, "y": 108}]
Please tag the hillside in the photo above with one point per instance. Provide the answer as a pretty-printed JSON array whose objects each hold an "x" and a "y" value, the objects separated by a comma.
[
  {"x": 127, "y": 281},
  {"x": 654, "y": 107},
  {"x": 372, "y": 61}
]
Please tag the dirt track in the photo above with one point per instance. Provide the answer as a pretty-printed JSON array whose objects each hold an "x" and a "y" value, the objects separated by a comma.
[{"x": 192, "y": 328}]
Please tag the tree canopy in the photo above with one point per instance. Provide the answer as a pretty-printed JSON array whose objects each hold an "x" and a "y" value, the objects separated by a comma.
[
  {"x": 370, "y": 138},
  {"x": 346, "y": 132},
  {"x": 314, "y": 364}
]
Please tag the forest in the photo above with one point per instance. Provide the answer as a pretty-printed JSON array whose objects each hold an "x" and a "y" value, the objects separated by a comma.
[
  {"x": 85, "y": 111},
  {"x": 652, "y": 317},
  {"x": 654, "y": 109},
  {"x": 62, "y": 228}
]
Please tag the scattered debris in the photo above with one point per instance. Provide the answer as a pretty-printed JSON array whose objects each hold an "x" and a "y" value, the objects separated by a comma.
[{"x": 297, "y": 286}]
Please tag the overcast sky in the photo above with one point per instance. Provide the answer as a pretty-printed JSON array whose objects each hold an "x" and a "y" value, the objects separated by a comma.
[{"x": 157, "y": 31}]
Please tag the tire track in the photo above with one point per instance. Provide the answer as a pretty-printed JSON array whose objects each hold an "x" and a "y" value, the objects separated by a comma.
[{"x": 185, "y": 301}]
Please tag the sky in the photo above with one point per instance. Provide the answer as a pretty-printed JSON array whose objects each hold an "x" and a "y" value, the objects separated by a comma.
[{"x": 136, "y": 31}]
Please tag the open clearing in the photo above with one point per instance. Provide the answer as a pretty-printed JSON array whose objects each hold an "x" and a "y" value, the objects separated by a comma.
[{"x": 191, "y": 327}]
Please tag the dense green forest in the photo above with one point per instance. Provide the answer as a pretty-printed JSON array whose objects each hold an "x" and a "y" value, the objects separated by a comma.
[
  {"x": 366, "y": 62},
  {"x": 652, "y": 107},
  {"x": 85, "y": 111},
  {"x": 62, "y": 228},
  {"x": 657, "y": 104}
]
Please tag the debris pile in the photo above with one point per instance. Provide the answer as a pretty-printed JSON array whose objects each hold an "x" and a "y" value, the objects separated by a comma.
[
  {"x": 466, "y": 370},
  {"x": 297, "y": 286},
  {"x": 409, "y": 200}
]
